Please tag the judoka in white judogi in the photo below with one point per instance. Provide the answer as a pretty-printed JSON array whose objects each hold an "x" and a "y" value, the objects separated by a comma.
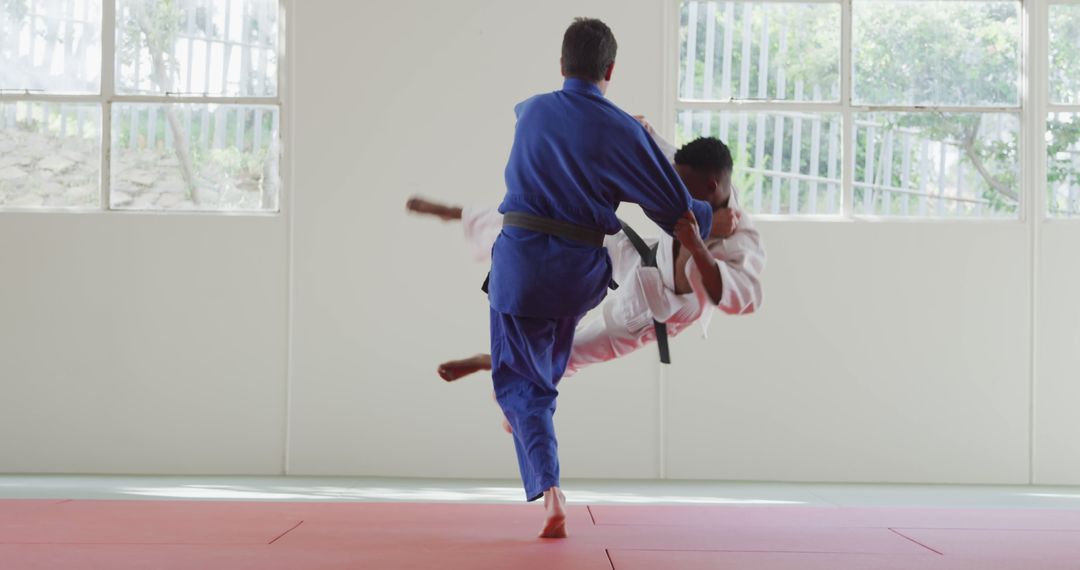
[{"x": 624, "y": 322}]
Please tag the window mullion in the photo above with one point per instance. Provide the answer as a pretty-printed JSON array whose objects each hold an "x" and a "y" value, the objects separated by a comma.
[
  {"x": 1014, "y": 109},
  {"x": 108, "y": 89},
  {"x": 834, "y": 107},
  {"x": 779, "y": 106},
  {"x": 847, "y": 154},
  {"x": 1034, "y": 190},
  {"x": 792, "y": 1},
  {"x": 15, "y": 96},
  {"x": 284, "y": 77},
  {"x": 198, "y": 99}
]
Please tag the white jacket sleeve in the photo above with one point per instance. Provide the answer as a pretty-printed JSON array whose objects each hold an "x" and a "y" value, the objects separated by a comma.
[
  {"x": 482, "y": 227},
  {"x": 667, "y": 148},
  {"x": 741, "y": 260}
]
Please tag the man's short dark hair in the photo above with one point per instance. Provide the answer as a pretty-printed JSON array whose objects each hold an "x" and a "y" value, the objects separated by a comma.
[
  {"x": 706, "y": 154},
  {"x": 588, "y": 49}
]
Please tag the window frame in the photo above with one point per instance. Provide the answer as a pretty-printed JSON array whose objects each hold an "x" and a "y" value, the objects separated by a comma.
[
  {"x": 107, "y": 96},
  {"x": 1031, "y": 110},
  {"x": 1041, "y": 54}
]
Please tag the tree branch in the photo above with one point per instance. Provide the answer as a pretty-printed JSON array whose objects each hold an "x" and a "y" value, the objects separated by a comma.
[
  {"x": 976, "y": 161},
  {"x": 161, "y": 77}
]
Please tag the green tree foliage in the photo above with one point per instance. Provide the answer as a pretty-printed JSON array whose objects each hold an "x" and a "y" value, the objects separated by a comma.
[
  {"x": 904, "y": 54},
  {"x": 1064, "y": 42}
]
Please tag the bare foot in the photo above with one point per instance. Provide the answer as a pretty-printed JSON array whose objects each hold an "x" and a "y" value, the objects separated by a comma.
[
  {"x": 505, "y": 422},
  {"x": 423, "y": 206},
  {"x": 555, "y": 505},
  {"x": 456, "y": 369}
]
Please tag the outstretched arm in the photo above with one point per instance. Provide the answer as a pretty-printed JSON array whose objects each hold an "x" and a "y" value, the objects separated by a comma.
[
  {"x": 457, "y": 369},
  {"x": 424, "y": 206},
  {"x": 481, "y": 225}
]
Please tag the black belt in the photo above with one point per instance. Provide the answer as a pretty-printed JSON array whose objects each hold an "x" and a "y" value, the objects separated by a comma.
[
  {"x": 648, "y": 259},
  {"x": 558, "y": 228}
]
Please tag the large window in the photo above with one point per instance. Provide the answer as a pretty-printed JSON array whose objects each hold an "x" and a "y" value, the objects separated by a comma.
[
  {"x": 139, "y": 104},
  {"x": 1063, "y": 121},
  {"x": 875, "y": 108}
]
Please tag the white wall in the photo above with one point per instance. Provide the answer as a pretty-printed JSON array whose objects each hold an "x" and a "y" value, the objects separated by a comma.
[
  {"x": 1057, "y": 391},
  {"x": 142, "y": 343},
  {"x": 886, "y": 352},
  {"x": 380, "y": 298}
]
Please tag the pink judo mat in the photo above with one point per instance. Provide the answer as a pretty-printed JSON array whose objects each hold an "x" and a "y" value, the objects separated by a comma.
[{"x": 136, "y": 534}]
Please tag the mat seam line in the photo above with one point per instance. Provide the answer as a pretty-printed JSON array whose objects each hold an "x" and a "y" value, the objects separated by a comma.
[
  {"x": 70, "y": 543},
  {"x": 745, "y": 551},
  {"x": 991, "y": 529},
  {"x": 902, "y": 535},
  {"x": 286, "y": 532}
]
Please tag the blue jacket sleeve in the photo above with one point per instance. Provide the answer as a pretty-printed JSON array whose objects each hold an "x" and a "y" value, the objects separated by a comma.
[
  {"x": 703, "y": 212},
  {"x": 641, "y": 174}
]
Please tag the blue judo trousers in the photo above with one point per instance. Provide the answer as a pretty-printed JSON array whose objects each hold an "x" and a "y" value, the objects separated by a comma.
[
  {"x": 576, "y": 157},
  {"x": 528, "y": 357}
]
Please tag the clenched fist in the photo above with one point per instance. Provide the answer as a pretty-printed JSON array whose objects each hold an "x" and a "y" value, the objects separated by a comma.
[
  {"x": 687, "y": 232},
  {"x": 724, "y": 222}
]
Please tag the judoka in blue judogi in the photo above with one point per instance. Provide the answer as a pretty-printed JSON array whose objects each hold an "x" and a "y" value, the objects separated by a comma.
[{"x": 575, "y": 158}]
